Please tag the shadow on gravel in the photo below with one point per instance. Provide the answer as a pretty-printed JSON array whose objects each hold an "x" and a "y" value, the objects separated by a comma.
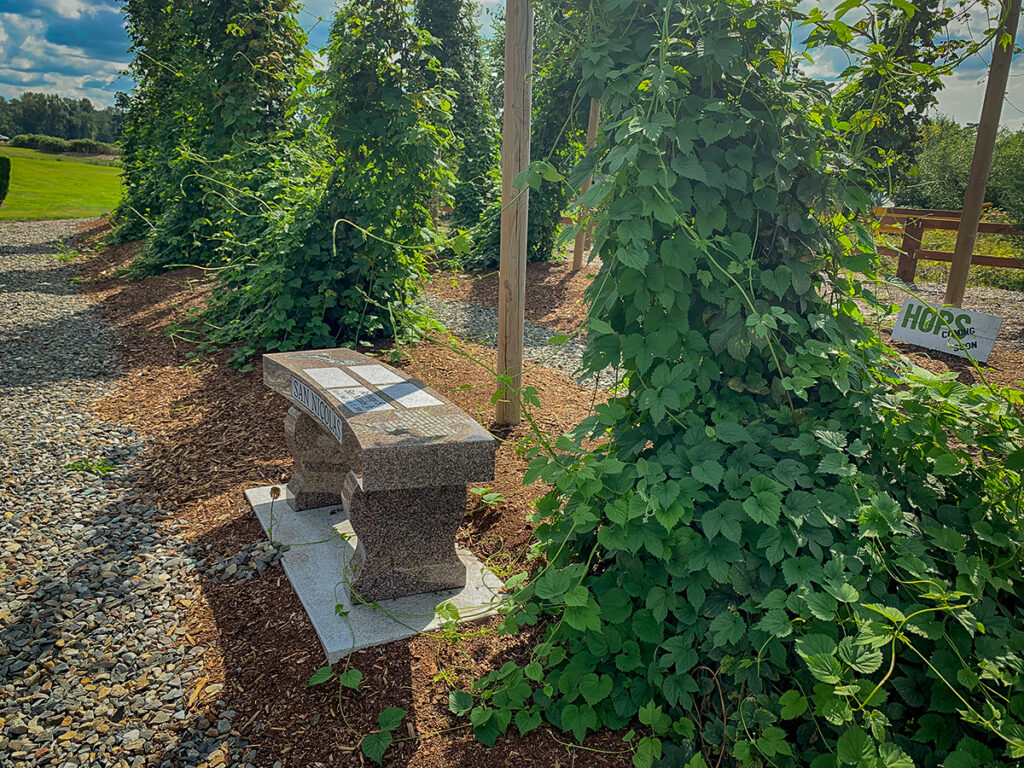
[
  {"x": 54, "y": 280},
  {"x": 96, "y": 606},
  {"x": 37, "y": 355},
  {"x": 554, "y": 292},
  {"x": 82, "y": 232}
]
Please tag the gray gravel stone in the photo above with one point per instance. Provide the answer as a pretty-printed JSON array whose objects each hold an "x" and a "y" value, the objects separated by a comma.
[
  {"x": 480, "y": 323},
  {"x": 92, "y": 648}
]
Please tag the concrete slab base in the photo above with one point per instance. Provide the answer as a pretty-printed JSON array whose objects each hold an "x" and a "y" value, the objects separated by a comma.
[{"x": 321, "y": 545}]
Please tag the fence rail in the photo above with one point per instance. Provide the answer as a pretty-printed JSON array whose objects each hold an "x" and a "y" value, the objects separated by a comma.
[{"x": 912, "y": 223}]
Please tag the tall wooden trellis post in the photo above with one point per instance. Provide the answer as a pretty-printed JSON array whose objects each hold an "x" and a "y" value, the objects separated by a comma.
[
  {"x": 515, "y": 158},
  {"x": 583, "y": 236},
  {"x": 981, "y": 164}
]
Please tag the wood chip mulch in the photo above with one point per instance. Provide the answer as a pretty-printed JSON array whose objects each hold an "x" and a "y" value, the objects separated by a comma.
[{"x": 211, "y": 433}]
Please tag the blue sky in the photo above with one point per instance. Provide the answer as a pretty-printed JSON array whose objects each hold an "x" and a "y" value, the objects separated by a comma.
[{"x": 78, "y": 48}]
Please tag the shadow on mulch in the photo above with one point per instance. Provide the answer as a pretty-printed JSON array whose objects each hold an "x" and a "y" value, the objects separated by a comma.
[{"x": 211, "y": 433}]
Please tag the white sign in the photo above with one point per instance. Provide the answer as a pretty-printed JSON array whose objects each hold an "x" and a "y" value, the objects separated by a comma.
[
  {"x": 410, "y": 396},
  {"x": 947, "y": 329},
  {"x": 360, "y": 400},
  {"x": 376, "y": 374},
  {"x": 315, "y": 405},
  {"x": 330, "y": 377}
]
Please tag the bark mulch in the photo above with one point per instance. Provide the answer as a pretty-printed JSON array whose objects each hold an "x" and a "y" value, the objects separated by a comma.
[
  {"x": 213, "y": 432},
  {"x": 554, "y": 291}
]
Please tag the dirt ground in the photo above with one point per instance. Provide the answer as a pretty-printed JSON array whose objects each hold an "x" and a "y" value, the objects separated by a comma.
[{"x": 212, "y": 433}]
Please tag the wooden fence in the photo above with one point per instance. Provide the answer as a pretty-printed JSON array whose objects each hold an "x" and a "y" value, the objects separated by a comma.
[{"x": 912, "y": 223}]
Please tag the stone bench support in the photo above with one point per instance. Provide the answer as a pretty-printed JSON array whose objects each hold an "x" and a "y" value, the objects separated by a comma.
[{"x": 395, "y": 453}]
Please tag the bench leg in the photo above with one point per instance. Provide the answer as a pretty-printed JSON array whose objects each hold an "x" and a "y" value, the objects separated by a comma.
[
  {"x": 320, "y": 465},
  {"x": 406, "y": 541}
]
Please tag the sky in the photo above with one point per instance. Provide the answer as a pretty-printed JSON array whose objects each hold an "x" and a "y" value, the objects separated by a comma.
[{"x": 78, "y": 48}]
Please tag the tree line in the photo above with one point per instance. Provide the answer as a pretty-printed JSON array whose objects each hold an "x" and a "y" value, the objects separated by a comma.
[
  {"x": 942, "y": 163},
  {"x": 60, "y": 116}
]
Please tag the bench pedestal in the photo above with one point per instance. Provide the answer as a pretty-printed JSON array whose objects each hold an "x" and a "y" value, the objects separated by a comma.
[
  {"x": 318, "y": 463},
  {"x": 318, "y": 572},
  {"x": 406, "y": 541},
  {"x": 406, "y": 536}
]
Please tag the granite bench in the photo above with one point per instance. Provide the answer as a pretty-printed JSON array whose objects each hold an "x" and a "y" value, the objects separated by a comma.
[{"x": 394, "y": 453}]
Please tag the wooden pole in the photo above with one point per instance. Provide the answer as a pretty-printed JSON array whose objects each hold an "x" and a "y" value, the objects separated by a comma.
[
  {"x": 584, "y": 234},
  {"x": 988, "y": 127},
  {"x": 913, "y": 233},
  {"x": 515, "y": 157}
]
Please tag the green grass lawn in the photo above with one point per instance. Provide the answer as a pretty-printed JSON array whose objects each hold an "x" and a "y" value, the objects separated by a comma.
[{"x": 57, "y": 187}]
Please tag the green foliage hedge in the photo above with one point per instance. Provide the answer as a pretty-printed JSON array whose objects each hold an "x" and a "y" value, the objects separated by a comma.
[
  {"x": 55, "y": 145},
  {"x": 5, "y": 177},
  {"x": 92, "y": 147},
  {"x": 339, "y": 254},
  {"x": 40, "y": 143},
  {"x": 944, "y": 155},
  {"x": 778, "y": 543}
]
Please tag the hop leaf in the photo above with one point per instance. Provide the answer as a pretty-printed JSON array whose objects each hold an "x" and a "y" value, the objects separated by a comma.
[
  {"x": 374, "y": 745},
  {"x": 322, "y": 675}
]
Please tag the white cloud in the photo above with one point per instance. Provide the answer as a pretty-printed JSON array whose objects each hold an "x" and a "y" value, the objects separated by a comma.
[
  {"x": 75, "y": 9},
  {"x": 30, "y": 62},
  {"x": 963, "y": 93}
]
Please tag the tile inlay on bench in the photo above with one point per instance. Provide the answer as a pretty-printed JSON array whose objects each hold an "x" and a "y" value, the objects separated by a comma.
[{"x": 389, "y": 459}]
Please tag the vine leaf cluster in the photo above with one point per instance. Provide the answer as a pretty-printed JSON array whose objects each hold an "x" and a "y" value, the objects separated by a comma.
[{"x": 779, "y": 543}]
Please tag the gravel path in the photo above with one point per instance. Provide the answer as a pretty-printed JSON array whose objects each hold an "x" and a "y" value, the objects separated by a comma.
[
  {"x": 95, "y": 665},
  {"x": 479, "y": 323}
]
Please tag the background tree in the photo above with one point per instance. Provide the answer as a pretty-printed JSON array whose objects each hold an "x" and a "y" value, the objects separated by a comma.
[
  {"x": 943, "y": 155},
  {"x": 457, "y": 47},
  {"x": 52, "y": 115},
  {"x": 884, "y": 97}
]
